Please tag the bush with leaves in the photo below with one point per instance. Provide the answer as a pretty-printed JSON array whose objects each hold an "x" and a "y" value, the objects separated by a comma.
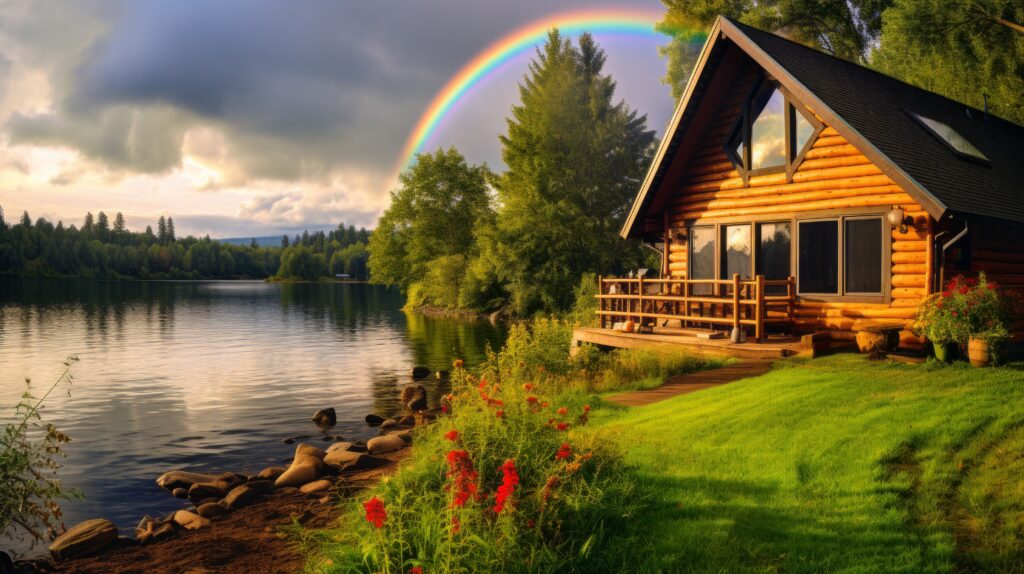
[{"x": 30, "y": 453}]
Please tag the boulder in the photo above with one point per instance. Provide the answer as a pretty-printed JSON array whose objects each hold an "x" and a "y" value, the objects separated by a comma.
[
  {"x": 374, "y": 420},
  {"x": 405, "y": 435},
  {"x": 325, "y": 417},
  {"x": 306, "y": 467},
  {"x": 180, "y": 492},
  {"x": 212, "y": 510},
  {"x": 214, "y": 489},
  {"x": 414, "y": 397},
  {"x": 246, "y": 494},
  {"x": 385, "y": 443},
  {"x": 358, "y": 446},
  {"x": 271, "y": 473},
  {"x": 150, "y": 530},
  {"x": 190, "y": 520},
  {"x": 84, "y": 538},
  {"x": 419, "y": 372},
  {"x": 338, "y": 447},
  {"x": 342, "y": 460},
  {"x": 407, "y": 421},
  {"x": 184, "y": 479},
  {"x": 388, "y": 424},
  {"x": 316, "y": 486}
]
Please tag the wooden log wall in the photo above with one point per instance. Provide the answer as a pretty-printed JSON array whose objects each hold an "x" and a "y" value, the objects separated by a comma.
[
  {"x": 834, "y": 174},
  {"x": 998, "y": 250}
]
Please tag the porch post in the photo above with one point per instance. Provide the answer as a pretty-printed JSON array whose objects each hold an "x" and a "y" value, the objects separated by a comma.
[
  {"x": 759, "y": 309},
  {"x": 600, "y": 300},
  {"x": 736, "y": 301},
  {"x": 791, "y": 303}
]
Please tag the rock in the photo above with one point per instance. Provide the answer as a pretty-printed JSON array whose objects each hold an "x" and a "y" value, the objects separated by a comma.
[
  {"x": 385, "y": 443},
  {"x": 306, "y": 467},
  {"x": 414, "y": 397},
  {"x": 338, "y": 447},
  {"x": 154, "y": 533},
  {"x": 388, "y": 424},
  {"x": 287, "y": 490},
  {"x": 215, "y": 489},
  {"x": 316, "y": 486},
  {"x": 324, "y": 499},
  {"x": 199, "y": 503},
  {"x": 358, "y": 446},
  {"x": 343, "y": 460},
  {"x": 84, "y": 538},
  {"x": 374, "y": 420},
  {"x": 325, "y": 417},
  {"x": 442, "y": 375},
  {"x": 419, "y": 372},
  {"x": 212, "y": 510},
  {"x": 405, "y": 435},
  {"x": 190, "y": 520},
  {"x": 271, "y": 473},
  {"x": 407, "y": 421},
  {"x": 246, "y": 494},
  {"x": 184, "y": 479},
  {"x": 180, "y": 492}
]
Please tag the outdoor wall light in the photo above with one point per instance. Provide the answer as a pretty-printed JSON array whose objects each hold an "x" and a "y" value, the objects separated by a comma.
[{"x": 896, "y": 218}]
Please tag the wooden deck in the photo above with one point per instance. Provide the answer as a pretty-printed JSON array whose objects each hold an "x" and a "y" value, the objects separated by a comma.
[
  {"x": 700, "y": 380},
  {"x": 774, "y": 347}
]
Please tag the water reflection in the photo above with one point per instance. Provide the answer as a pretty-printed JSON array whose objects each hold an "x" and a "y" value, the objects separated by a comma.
[{"x": 210, "y": 375}]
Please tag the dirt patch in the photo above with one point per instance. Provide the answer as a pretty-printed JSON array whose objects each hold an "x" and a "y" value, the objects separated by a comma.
[{"x": 246, "y": 541}]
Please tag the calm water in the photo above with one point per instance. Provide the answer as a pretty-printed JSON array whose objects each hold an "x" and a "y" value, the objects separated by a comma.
[{"x": 209, "y": 375}]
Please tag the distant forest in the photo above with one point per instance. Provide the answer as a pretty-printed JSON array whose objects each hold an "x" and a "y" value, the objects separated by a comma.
[{"x": 105, "y": 249}]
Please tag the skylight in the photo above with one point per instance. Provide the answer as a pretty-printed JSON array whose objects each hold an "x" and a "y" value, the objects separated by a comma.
[{"x": 950, "y": 137}]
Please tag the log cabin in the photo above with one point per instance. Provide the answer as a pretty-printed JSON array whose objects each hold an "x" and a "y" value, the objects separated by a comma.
[{"x": 795, "y": 192}]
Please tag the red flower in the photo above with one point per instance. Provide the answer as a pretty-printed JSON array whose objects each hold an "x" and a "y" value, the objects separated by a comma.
[
  {"x": 964, "y": 290},
  {"x": 452, "y": 435},
  {"x": 509, "y": 480},
  {"x": 375, "y": 513},
  {"x": 456, "y": 525},
  {"x": 499, "y": 413},
  {"x": 528, "y": 387},
  {"x": 564, "y": 452},
  {"x": 562, "y": 426},
  {"x": 531, "y": 400},
  {"x": 444, "y": 409},
  {"x": 460, "y": 470},
  {"x": 586, "y": 408},
  {"x": 563, "y": 411},
  {"x": 544, "y": 404},
  {"x": 954, "y": 313},
  {"x": 416, "y": 570},
  {"x": 530, "y": 523}
]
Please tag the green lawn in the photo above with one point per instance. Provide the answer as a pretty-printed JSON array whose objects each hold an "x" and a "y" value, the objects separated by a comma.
[{"x": 833, "y": 465}]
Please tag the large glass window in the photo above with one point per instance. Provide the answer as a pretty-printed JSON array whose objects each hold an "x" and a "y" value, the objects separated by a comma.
[
  {"x": 862, "y": 240},
  {"x": 774, "y": 241},
  {"x": 736, "y": 254},
  {"x": 702, "y": 257},
  {"x": 803, "y": 131},
  {"x": 768, "y": 130},
  {"x": 819, "y": 257}
]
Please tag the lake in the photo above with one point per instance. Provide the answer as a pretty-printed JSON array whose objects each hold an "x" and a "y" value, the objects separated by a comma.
[{"x": 210, "y": 375}]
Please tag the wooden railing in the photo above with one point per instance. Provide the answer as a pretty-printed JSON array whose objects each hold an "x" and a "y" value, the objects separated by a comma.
[{"x": 734, "y": 303}]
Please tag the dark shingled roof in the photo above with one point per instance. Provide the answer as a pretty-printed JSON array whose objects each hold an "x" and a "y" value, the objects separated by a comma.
[{"x": 875, "y": 105}]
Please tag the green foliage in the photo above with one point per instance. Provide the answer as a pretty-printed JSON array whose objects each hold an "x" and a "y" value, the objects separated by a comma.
[
  {"x": 584, "y": 309},
  {"x": 966, "y": 308},
  {"x": 844, "y": 29},
  {"x": 575, "y": 159},
  {"x": 352, "y": 260},
  {"x": 440, "y": 285},
  {"x": 962, "y": 50},
  {"x": 543, "y": 343},
  {"x": 433, "y": 214},
  {"x": 501, "y": 484},
  {"x": 29, "y": 460},
  {"x": 302, "y": 263}
]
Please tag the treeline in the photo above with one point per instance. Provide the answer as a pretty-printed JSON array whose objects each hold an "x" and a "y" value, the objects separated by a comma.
[
  {"x": 460, "y": 236},
  {"x": 101, "y": 249}
]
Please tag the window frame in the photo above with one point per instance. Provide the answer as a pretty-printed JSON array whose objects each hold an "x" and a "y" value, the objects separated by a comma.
[
  {"x": 743, "y": 127},
  {"x": 840, "y": 216}
]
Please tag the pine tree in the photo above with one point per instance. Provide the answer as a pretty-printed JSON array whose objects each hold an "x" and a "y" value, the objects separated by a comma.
[
  {"x": 253, "y": 244},
  {"x": 26, "y": 220},
  {"x": 170, "y": 230},
  {"x": 87, "y": 225},
  {"x": 120, "y": 228},
  {"x": 284, "y": 240},
  {"x": 149, "y": 232},
  {"x": 161, "y": 230},
  {"x": 575, "y": 159},
  {"x": 3, "y": 222},
  {"x": 102, "y": 226}
]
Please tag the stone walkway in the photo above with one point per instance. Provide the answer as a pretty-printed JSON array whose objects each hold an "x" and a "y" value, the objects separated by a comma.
[{"x": 700, "y": 380}]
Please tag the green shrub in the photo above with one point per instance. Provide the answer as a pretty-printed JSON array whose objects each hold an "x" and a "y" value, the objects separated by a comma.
[
  {"x": 584, "y": 310},
  {"x": 541, "y": 343},
  {"x": 440, "y": 284},
  {"x": 502, "y": 483}
]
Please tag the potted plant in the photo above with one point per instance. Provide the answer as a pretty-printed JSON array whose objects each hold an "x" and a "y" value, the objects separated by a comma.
[
  {"x": 940, "y": 320},
  {"x": 986, "y": 318}
]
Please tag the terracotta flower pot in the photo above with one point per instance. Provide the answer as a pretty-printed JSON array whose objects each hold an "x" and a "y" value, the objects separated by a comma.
[
  {"x": 629, "y": 327},
  {"x": 978, "y": 353},
  {"x": 945, "y": 352}
]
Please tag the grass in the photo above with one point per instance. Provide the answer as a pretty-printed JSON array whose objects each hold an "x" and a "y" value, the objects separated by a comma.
[{"x": 833, "y": 465}]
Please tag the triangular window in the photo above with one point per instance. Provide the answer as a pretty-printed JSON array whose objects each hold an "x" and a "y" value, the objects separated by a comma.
[{"x": 768, "y": 130}]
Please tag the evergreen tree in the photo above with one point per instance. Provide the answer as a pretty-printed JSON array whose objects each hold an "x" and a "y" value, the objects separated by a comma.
[
  {"x": 575, "y": 160},
  {"x": 87, "y": 225},
  {"x": 170, "y": 230},
  {"x": 284, "y": 240},
  {"x": 26, "y": 221},
  {"x": 253, "y": 244},
  {"x": 161, "y": 230},
  {"x": 119, "y": 225},
  {"x": 149, "y": 232},
  {"x": 3, "y": 223},
  {"x": 102, "y": 226}
]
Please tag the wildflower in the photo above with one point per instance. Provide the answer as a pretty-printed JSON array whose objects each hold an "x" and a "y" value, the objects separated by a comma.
[
  {"x": 444, "y": 409},
  {"x": 564, "y": 452},
  {"x": 562, "y": 426},
  {"x": 460, "y": 469},
  {"x": 375, "y": 513},
  {"x": 509, "y": 480},
  {"x": 528, "y": 387},
  {"x": 456, "y": 525},
  {"x": 452, "y": 435},
  {"x": 483, "y": 384},
  {"x": 586, "y": 408},
  {"x": 458, "y": 363},
  {"x": 530, "y": 523},
  {"x": 499, "y": 413},
  {"x": 572, "y": 467},
  {"x": 563, "y": 411},
  {"x": 549, "y": 486},
  {"x": 544, "y": 404},
  {"x": 532, "y": 400},
  {"x": 416, "y": 570}
]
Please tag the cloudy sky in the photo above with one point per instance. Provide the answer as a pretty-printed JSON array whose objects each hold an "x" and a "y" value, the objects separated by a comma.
[{"x": 253, "y": 117}]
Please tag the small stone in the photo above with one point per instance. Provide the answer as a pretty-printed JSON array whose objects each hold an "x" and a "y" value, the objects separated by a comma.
[
  {"x": 215, "y": 489},
  {"x": 287, "y": 490},
  {"x": 324, "y": 499},
  {"x": 385, "y": 443},
  {"x": 306, "y": 467},
  {"x": 246, "y": 494},
  {"x": 388, "y": 424},
  {"x": 84, "y": 538},
  {"x": 316, "y": 486},
  {"x": 211, "y": 510},
  {"x": 271, "y": 473},
  {"x": 414, "y": 397},
  {"x": 325, "y": 417},
  {"x": 190, "y": 520},
  {"x": 407, "y": 421},
  {"x": 180, "y": 492},
  {"x": 183, "y": 479},
  {"x": 419, "y": 372},
  {"x": 358, "y": 446},
  {"x": 337, "y": 447},
  {"x": 343, "y": 460},
  {"x": 374, "y": 420}
]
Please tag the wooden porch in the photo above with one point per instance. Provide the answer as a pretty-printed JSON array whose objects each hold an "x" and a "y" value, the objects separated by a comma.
[{"x": 710, "y": 308}]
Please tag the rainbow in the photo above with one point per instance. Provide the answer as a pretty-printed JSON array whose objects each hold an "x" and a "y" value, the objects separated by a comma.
[{"x": 618, "y": 21}]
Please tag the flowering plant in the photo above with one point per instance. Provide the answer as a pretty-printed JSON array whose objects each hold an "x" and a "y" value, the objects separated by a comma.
[{"x": 966, "y": 308}]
